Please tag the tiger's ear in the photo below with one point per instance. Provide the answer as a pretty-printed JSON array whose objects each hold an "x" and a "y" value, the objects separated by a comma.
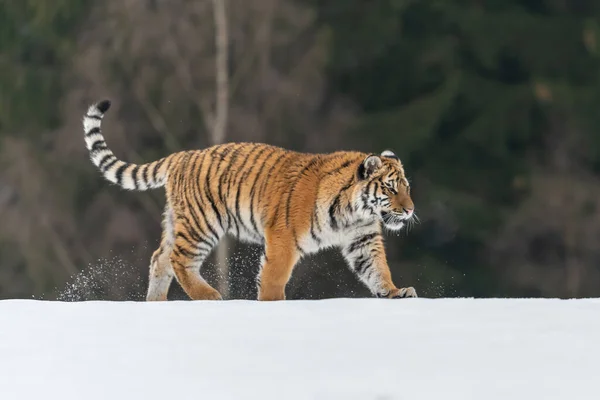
[
  {"x": 390, "y": 154},
  {"x": 369, "y": 166}
]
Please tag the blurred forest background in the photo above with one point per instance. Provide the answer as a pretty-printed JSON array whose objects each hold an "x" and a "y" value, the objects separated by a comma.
[{"x": 493, "y": 106}]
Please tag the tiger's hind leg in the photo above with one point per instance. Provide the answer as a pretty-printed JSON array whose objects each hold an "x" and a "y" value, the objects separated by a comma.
[
  {"x": 189, "y": 252},
  {"x": 161, "y": 273}
]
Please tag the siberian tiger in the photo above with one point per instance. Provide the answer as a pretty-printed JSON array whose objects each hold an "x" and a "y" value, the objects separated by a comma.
[{"x": 291, "y": 203}]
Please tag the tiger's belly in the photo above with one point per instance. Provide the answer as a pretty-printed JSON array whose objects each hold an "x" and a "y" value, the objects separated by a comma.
[{"x": 246, "y": 235}]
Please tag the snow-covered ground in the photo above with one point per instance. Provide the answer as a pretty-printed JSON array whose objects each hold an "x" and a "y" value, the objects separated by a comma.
[{"x": 327, "y": 349}]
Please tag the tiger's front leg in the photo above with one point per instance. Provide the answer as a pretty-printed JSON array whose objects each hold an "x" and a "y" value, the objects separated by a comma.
[{"x": 365, "y": 255}]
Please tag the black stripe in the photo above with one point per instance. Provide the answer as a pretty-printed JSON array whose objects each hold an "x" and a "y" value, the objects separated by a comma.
[
  {"x": 313, "y": 234},
  {"x": 104, "y": 160},
  {"x": 225, "y": 178},
  {"x": 186, "y": 252},
  {"x": 300, "y": 249},
  {"x": 361, "y": 242},
  {"x": 177, "y": 253},
  {"x": 253, "y": 188},
  {"x": 223, "y": 156},
  {"x": 227, "y": 172},
  {"x": 276, "y": 214},
  {"x": 182, "y": 235},
  {"x": 374, "y": 192},
  {"x": 169, "y": 161},
  {"x": 239, "y": 185},
  {"x": 145, "y": 168},
  {"x": 110, "y": 164},
  {"x": 241, "y": 173},
  {"x": 286, "y": 156},
  {"x": 231, "y": 175},
  {"x": 197, "y": 230},
  {"x": 197, "y": 195},
  {"x": 314, "y": 218},
  {"x": 332, "y": 209},
  {"x": 341, "y": 167},
  {"x": 92, "y": 131},
  {"x": 99, "y": 144},
  {"x": 97, "y": 117},
  {"x": 199, "y": 227},
  {"x": 195, "y": 243},
  {"x": 190, "y": 229},
  {"x": 196, "y": 199},
  {"x": 157, "y": 166},
  {"x": 291, "y": 191},
  {"x": 363, "y": 263},
  {"x": 178, "y": 173},
  {"x": 264, "y": 254},
  {"x": 119, "y": 173},
  {"x": 133, "y": 174},
  {"x": 368, "y": 271},
  {"x": 233, "y": 149},
  {"x": 263, "y": 149},
  {"x": 289, "y": 199},
  {"x": 367, "y": 194},
  {"x": 335, "y": 205},
  {"x": 208, "y": 192}
]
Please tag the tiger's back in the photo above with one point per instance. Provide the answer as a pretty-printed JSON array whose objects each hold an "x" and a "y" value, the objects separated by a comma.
[{"x": 289, "y": 202}]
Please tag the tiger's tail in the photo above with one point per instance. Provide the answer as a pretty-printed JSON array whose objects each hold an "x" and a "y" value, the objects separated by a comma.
[{"x": 126, "y": 175}]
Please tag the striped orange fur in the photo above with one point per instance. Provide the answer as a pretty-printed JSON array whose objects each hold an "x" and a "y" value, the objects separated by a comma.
[{"x": 291, "y": 203}]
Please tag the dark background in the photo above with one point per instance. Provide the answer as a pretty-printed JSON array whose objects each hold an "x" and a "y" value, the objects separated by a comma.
[{"x": 493, "y": 106}]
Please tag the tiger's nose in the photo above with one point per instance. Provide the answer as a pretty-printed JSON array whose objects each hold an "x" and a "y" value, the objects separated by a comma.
[{"x": 408, "y": 211}]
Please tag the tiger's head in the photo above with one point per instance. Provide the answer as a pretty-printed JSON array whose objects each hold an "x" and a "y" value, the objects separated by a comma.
[{"x": 385, "y": 191}]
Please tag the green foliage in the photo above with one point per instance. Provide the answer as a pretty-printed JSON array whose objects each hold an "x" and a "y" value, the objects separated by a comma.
[
  {"x": 457, "y": 89},
  {"x": 35, "y": 40}
]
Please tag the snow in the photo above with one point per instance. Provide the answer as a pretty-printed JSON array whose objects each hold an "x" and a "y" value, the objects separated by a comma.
[{"x": 326, "y": 349}]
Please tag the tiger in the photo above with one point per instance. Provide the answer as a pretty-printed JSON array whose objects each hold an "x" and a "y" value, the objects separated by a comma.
[{"x": 290, "y": 203}]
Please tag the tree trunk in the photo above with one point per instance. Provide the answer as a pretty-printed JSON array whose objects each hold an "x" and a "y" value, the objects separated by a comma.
[{"x": 220, "y": 120}]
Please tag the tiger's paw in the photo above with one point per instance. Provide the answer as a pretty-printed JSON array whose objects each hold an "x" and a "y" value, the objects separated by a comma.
[{"x": 401, "y": 293}]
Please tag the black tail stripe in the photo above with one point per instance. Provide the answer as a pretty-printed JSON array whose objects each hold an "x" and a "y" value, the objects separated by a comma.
[
  {"x": 110, "y": 164},
  {"x": 145, "y": 169},
  {"x": 104, "y": 160},
  {"x": 92, "y": 131},
  {"x": 134, "y": 176},
  {"x": 119, "y": 173},
  {"x": 157, "y": 166},
  {"x": 99, "y": 144}
]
